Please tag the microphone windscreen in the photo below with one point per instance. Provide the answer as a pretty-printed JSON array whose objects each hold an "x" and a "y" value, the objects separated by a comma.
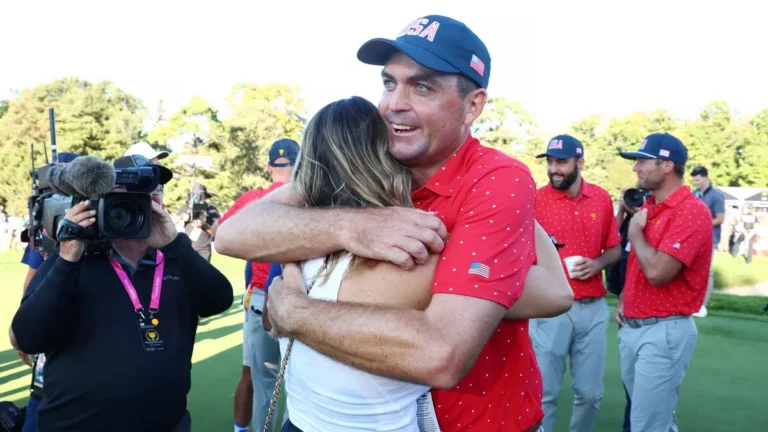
[{"x": 86, "y": 176}]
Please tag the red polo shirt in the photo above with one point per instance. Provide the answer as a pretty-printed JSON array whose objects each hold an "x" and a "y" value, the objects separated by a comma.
[
  {"x": 585, "y": 225},
  {"x": 260, "y": 270},
  {"x": 680, "y": 226},
  {"x": 486, "y": 200}
]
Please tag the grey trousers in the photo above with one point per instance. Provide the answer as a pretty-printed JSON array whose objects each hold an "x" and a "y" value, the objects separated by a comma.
[
  {"x": 581, "y": 334},
  {"x": 654, "y": 359},
  {"x": 262, "y": 354}
]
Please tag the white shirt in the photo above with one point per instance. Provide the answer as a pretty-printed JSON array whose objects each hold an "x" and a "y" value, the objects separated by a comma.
[{"x": 324, "y": 395}]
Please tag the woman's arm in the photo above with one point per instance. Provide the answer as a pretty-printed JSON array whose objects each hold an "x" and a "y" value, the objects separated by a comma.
[{"x": 547, "y": 292}]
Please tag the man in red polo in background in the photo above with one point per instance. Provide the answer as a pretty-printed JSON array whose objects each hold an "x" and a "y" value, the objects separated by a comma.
[
  {"x": 578, "y": 215},
  {"x": 667, "y": 275},
  {"x": 261, "y": 353},
  {"x": 484, "y": 373}
]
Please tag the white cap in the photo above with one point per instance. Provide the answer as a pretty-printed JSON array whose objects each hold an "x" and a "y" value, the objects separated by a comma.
[{"x": 146, "y": 150}]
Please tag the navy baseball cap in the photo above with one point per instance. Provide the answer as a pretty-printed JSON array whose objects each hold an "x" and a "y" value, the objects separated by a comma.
[
  {"x": 284, "y": 148},
  {"x": 564, "y": 147},
  {"x": 438, "y": 43},
  {"x": 661, "y": 146}
]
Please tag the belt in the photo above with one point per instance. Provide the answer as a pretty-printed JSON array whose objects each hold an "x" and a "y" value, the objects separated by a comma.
[
  {"x": 587, "y": 300},
  {"x": 640, "y": 322}
]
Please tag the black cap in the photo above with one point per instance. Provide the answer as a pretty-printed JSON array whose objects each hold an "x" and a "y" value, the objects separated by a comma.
[{"x": 135, "y": 161}]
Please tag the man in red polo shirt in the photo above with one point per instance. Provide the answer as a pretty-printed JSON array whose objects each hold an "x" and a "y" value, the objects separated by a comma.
[
  {"x": 254, "y": 389},
  {"x": 578, "y": 215},
  {"x": 667, "y": 274},
  {"x": 435, "y": 77}
]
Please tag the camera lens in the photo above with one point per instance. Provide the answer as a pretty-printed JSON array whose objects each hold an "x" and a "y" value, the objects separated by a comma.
[{"x": 125, "y": 215}]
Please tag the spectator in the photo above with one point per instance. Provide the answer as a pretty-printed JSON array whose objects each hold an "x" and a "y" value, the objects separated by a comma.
[{"x": 715, "y": 201}]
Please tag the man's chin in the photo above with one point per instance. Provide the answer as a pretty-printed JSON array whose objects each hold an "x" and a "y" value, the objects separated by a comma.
[{"x": 407, "y": 153}]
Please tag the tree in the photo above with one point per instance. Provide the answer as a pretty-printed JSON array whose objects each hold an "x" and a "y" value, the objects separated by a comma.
[
  {"x": 236, "y": 147},
  {"x": 510, "y": 128},
  {"x": 714, "y": 141},
  {"x": 91, "y": 119}
]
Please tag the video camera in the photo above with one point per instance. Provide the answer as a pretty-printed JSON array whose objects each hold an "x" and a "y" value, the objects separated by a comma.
[
  {"x": 636, "y": 197},
  {"x": 57, "y": 187}
]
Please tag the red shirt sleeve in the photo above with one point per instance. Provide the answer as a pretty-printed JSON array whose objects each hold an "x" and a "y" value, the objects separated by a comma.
[
  {"x": 611, "y": 236},
  {"x": 241, "y": 202},
  {"x": 689, "y": 230},
  {"x": 491, "y": 248}
]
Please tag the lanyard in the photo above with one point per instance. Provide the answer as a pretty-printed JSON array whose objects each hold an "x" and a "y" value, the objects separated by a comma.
[{"x": 157, "y": 286}]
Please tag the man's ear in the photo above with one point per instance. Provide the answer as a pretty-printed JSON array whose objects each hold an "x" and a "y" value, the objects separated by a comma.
[
  {"x": 668, "y": 167},
  {"x": 475, "y": 103}
]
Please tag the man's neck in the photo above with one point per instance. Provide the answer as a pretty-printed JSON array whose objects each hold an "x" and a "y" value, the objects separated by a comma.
[
  {"x": 704, "y": 187},
  {"x": 575, "y": 188},
  {"x": 130, "y": 250},
  {"x": 668, "y": 188},
  {"x": 422, "y": 173},
  {"x": 281, "y": 179}
]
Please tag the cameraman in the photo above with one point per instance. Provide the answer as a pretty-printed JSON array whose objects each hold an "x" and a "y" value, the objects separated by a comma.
[
  {"x": 199, "y": 217},
  {"x": 111, "y": 365}
]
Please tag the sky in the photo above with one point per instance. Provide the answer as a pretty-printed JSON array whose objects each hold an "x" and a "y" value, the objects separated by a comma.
[{"x": 563, "y": 60}]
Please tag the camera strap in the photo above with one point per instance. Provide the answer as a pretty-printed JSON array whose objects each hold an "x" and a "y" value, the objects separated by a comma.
[{"x": 157, "y": 287}]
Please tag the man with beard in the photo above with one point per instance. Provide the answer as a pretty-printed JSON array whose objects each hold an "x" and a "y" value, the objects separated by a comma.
[
  {"x": 578, "y": 215},
  {"x": 671, "y": 252}
]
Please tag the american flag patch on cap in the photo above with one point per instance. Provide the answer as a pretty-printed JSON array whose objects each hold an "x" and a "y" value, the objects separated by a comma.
[
  {"x": 477, "y": 65},
  {"x": 479, "y": 269},
  {"x": 663, "y": 152}
]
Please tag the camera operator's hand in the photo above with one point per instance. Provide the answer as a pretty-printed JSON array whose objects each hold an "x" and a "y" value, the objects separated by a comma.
[
  {"x": 163, "y": 229},
  {"x": 73, "y": 250}
]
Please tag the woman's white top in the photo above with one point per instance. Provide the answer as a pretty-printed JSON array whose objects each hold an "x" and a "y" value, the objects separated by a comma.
[{"x": 324, "y": 395}]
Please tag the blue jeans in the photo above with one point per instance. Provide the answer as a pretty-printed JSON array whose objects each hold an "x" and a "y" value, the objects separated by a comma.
[{"x": 30, "y": 422}]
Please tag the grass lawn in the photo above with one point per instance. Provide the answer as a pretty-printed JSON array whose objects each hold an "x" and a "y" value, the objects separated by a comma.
[{"x": 724, "y": 389}]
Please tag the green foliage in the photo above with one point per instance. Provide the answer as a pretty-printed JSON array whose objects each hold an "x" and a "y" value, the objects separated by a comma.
[
  {"x": 91, "y": 118},
  {"x": 229, "y": 154},
  {"x": 735, "y": 272},
  {"x": 237, "y": 146}
]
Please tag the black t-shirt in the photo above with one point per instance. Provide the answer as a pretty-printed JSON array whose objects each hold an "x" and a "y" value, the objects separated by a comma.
[{"x": 97, "y": 374}]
